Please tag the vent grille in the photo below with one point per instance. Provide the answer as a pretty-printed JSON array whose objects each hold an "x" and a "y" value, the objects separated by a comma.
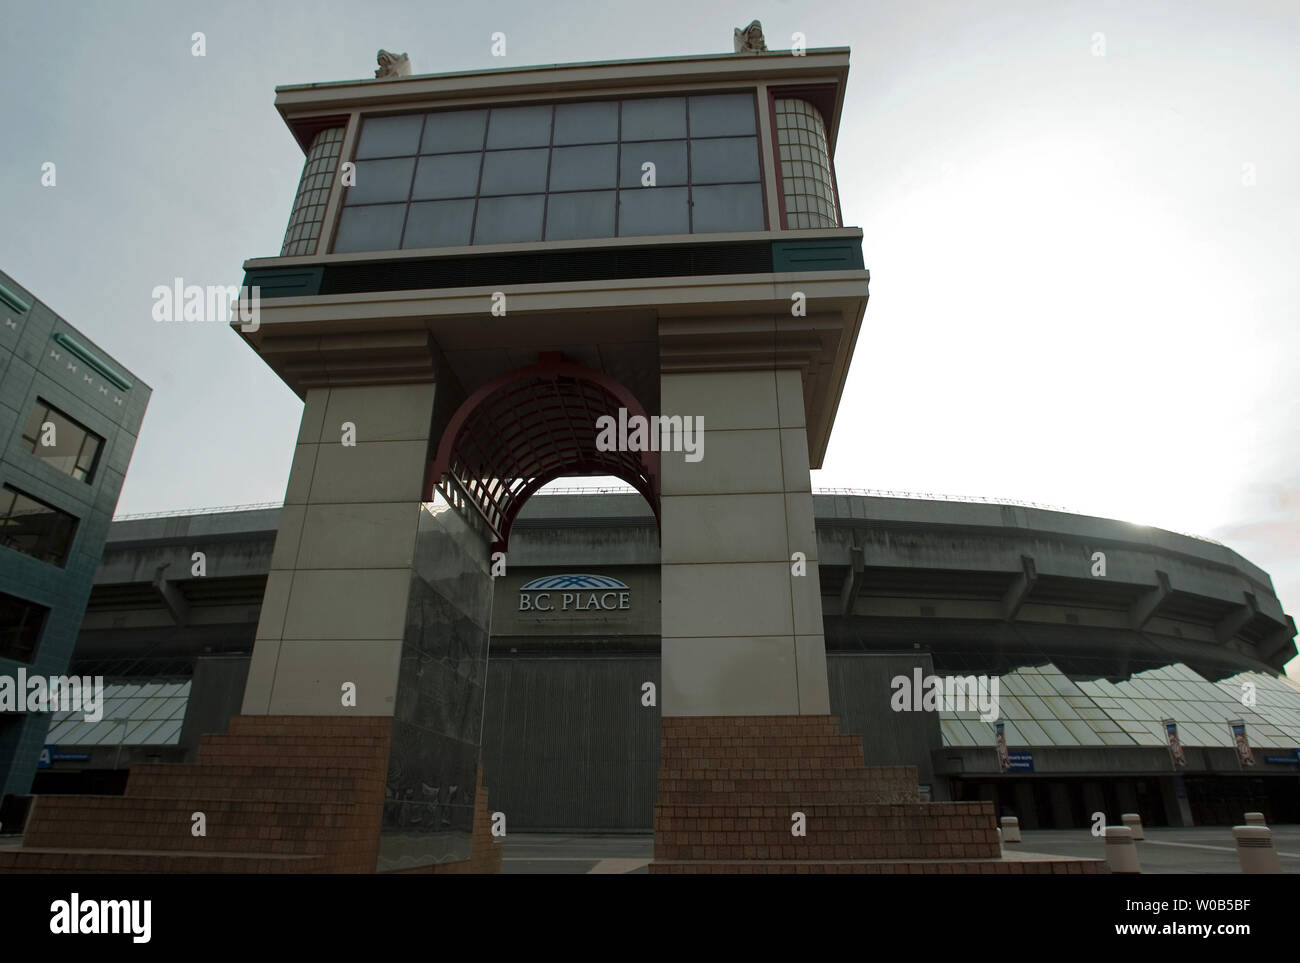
[{"x": 549, "y": 266}]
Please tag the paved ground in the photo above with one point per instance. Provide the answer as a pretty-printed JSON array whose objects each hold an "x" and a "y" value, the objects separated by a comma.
[
  {"x": 562, "y": 853},
  {"x": 1207, "y": 849}
]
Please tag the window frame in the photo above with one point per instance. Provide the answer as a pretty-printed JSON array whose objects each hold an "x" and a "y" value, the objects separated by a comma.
[
  {"x": 86, "y": 435},
  {"x": 754, "y": 131}
]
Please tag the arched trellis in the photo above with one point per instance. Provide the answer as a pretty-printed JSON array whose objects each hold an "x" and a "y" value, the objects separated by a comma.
[{"x": 529, "y": 427}]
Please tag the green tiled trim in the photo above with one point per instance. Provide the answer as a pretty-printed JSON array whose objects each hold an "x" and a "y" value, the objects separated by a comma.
[
  {"x": 13, "y": 300},
  {"x": 107, "y": 371},
  {"x": 286, "y": 282},
  {"x": 817, "y": 255}
]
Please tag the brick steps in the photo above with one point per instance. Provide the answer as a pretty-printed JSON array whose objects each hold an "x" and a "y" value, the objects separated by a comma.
[
  {"x": 331, "y": 784},
  {"x": 281, "y": 794},
  {"x": 728, "y": 787},
  {"x": 122, "y": 823},
  {"x": 48, "y": 860},
  {"x": 968, "y": 867},
  {"x": 832, "y": 832}
]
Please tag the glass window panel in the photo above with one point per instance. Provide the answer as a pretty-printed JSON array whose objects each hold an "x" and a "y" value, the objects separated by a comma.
[
  {"x": 514, "y": 172},
  {"x": 660, "y": 211},
  {"x": 658, "y": 118},
  {"x": 1057, "y": 732},
  {"x": 1083, "y": 733},
  {"x": 72, "y": 447},
  {"x": 588, "y": 214},
  {"x": 59, "y": 730},
  {"x": 92, "y": 733},
  {"x": 140, "y": 733},
  {"x": 453, "y": 130},
  {"x": 731, "y": 207},
  {"x": 439, "y": 224},
  {"x": 718, "y": 114},
  {"x": 1033, "y": 733},
  {"x": 147, "y": 708},
  {"x": 583, "y": 168},
  {"x": 35, "y": 528},
  {"x": 519, "y": 127},
  {"x": 954, "y": 733},
  {"x": 382, "y": 180},
  {"x": 1060, "y": 708},
  {"x": 376, "y": 228},
  {"x": 502, "y": 220},
  {"x": 725, "y": 159},
  {"x": 389, "y": 136},
  {"x": 586, "y": 123},
  {"x": 166, "y": 709},
  {"x": 168, "y": 733},
  {"x": 668, "y": 156},
  {"x": 447, "y": 175}
]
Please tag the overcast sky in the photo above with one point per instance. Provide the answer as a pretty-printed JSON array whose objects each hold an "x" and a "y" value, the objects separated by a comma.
[{"x": 1081, "y": 225}]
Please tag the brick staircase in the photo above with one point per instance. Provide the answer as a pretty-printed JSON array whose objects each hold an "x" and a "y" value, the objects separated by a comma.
[
  {"x": 280, "y": 794},
  {"x": 729, "y": 786}
]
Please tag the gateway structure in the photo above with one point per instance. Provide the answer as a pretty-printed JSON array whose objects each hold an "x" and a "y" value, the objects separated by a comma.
[{"x": 478, "y": 269}]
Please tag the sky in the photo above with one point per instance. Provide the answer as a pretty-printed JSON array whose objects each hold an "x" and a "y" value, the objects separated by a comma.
[{"x": 1080, "y": 220}]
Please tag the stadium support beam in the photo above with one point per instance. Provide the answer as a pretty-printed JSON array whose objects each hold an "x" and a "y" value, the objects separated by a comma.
[
  {"x": 171, "y": 596},
  {"x": 1278, "y": 648},
  {"x": 1232, "y": 623},
  {"x": 1021, "y": 585},
  {"x": 853, "y": 580},
  {"x": 1148, "y": 603}
]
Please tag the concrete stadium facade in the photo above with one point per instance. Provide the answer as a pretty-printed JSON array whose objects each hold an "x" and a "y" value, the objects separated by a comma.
[{"x": 1088, "y": 664}]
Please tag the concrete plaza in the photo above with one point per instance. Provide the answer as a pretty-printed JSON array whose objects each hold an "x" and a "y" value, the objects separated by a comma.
[{"x": 1199, "y": 850}]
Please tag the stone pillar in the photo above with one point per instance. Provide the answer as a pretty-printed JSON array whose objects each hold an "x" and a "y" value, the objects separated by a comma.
[
  {"x": 336, "y": 596},
  {"x": 370, "y": 590},
  {"x": 1177, "y": 808},
  {"x": 742, "y": 633}
]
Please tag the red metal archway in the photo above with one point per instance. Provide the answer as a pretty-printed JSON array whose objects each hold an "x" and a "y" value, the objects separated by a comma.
[{"x": 529, "y": 427}]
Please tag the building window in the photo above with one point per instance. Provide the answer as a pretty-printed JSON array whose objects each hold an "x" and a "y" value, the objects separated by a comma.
[
  {"x": 21, "y": 623},
  {"x": 555, "y": 172},
  {"x": 72, "y": 447},
  {"x": 35, "y": 528},
  {"x": 318, "y": 173},
  {"x": 806, "y": 178}
]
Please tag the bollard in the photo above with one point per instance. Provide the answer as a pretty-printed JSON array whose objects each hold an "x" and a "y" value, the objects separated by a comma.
[
  {"x": 1255, "y": 849},
  {"x": 1010, "y": 829},
  {"x": 1134, "y": 822},
  {"x": 999, "y": 841},
  {"x": 1121, "y": 851},
  {"x": 1255, "y": 819}
]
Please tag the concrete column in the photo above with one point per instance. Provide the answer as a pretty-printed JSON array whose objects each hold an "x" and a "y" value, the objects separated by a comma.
[
  {"x": 1061, "y": 810},
  {"x": 1174, "y": 795},
  {"x": 1026, "y": 808},
  {"x": 336, "y": 595},
  {"x": 742, "y": 632}
]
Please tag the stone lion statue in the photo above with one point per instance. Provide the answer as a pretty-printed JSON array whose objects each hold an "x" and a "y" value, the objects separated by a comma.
[
  {"x": 750, "y": 40},
  {"x": 392, "y": 65}
]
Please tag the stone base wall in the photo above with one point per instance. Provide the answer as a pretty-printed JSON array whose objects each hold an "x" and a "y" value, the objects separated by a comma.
[
  {"x": 731, "y": 789},
  {"x": 279, "y": 794}
]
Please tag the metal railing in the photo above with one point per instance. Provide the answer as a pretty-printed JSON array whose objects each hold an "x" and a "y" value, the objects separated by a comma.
[
  {"x": 214, "y": 510},
  {"x": 629, "y": 490}
]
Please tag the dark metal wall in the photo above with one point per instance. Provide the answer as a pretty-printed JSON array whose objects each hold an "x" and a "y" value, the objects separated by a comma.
[{"x": 567, "y": 743}]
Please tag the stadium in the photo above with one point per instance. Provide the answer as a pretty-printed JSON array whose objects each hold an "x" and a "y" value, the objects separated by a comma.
[{"x": 1088, "y": 665}]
